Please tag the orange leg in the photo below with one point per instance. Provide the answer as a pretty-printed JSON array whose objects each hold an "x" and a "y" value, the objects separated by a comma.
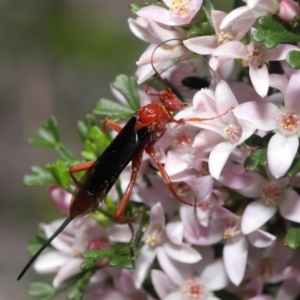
[
  {"x": 136, "y": 163},
  {"x": 180, "y": 121},
  {"x": 78, "y": 168},
  {"x": 111, "y": 124},
  {"x": 150, "y": 150}
]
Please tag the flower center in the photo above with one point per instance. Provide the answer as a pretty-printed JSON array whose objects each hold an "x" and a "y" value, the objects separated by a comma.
[
  {"x": 204, "y": 170},
  {"x": 194, "y": 289},
  {"x": 233, "y": 133},
  {"x": 271, "y": 194},
  {"x": 182, "y": 141},
  {"x": 232, "y": 228},
  {"x": 288, "y": 123},
  {"x": 255, "y": 57},
  {"x": 266, "y": 268},
  {"x": 156, "y": 237},
  {"x": 181, "y": 8},
  {"x": 224, "y": 37}
]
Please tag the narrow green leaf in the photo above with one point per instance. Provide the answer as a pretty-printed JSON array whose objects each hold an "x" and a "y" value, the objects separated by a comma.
[
  {"x": 87, "y": 264},
  {"x": 272, "y": 33},
  {"x": 292, "y": 238},
  {"x": 135, "y": 7},
  {"x": 53, "y": 127},
  {"x": 83, "y": 127},
  {"x": 39, "y": 176},
  {"x": 35, "y": 243},
  {"x": 126, "y": 85},
  {"x": 293, "y": 59},
  {"x": 41, "y": 291},
  {"x": 294, "y": 169},
  {"x": 119, "y": 261},
  {"x": 40, "y": 142},
  {"x": 60, "y": 171},
  {"x": 106, "y": 107},
  {"x": 256, "y": 159},
  {"x": 207, "y": 7},
  {"x": 100, "y": 138},
  {"x": 91, "y": 151},
  {"x": 98, "y": 254},
  {"x": 77, "y": 293},
  {"x": 65, "y": 154}
]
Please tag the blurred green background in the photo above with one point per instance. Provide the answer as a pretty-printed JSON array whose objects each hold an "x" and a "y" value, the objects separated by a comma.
[{"x": 56, "y": 58}]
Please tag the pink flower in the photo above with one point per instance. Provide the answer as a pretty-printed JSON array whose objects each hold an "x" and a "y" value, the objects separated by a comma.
[
  {"x": 255, "y": 56},
  {"x": 205, "y": 45},
  {"x": 180, "y": 12},
  {"x": 272, "y": 264},
  {"x": 161, "y": 241},
  {"x": 182, "y": 281},
  {"x": 221, "y": 135},
  {"x": 288, "y": 9},
  {"x": 267, "y": 116},
  {"x": 270, "y": 194},
  {"x": 155, "y": 34},
  {"x": 235, "y": 250},
  {"x": 65, "y": 259}
]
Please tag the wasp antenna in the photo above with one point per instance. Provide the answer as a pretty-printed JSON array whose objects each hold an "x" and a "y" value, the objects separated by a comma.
[
  {"x": 157, "y": 74},
  {"x": 47, "y": 243}
]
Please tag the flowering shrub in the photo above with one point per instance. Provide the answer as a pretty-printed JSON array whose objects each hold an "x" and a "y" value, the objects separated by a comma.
[{"x": 244, "y": 163}]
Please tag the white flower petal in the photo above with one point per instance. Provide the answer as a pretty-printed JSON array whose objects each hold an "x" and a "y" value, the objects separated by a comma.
[
  {"x": 218, "y": 157},
  {"x": 162, "y": 284},
  {"x": 183, "y": 253},
  {"x": 142, "y": 265},
  {"x": 260, "y": 79},
  {"x": 214, "y": 276},
  {"x": 50, "y": 262},
  {"x": 281, "y": 152},
  {"x": 176, "y": 271},
  {"x": 235, "y": 254},
  {"x": 203, "y": 45},
  {"x": 261, "y": 114},
  {"x": 261, "y": 239},
  {"x": 69, "y": 269},
  {"x": 290, "y": 206},
  {"x": 256, "y": 214}
]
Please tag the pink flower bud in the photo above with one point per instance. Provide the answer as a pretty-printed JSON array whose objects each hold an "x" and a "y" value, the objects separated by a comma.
[{"x": 288, "y": 9}]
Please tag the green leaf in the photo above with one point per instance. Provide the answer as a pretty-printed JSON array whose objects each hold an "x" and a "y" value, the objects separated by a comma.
[
  {"x": 60, "y": 171},
  {"x": 77, "y": 293},
  {"x": 91, "y": 151},
  {"x": 98, "y": 254},
  {"x": 117, "y": 111},
  {"x": 83, "y": 127},
  {"x": 41, "y": 291},
  {"x": 135, "y": 7},
  {"x": 254, "y": 141},
  {"x": 294, "y": 169},
  {"x": 122, "y": 261},
  {"x": 292, "y": 238},
  {"x": 256, "y": 159},
  {"x": 35, "y": 244},
  {"x": 99, "y": 137},
  {"x": 207, "y": 7},
  {"x": 49, "y": 137},
  {"x": 203, "y": 29},
  {"x": 39, "y": 177},
  {"x": 293, "y": 59},
  {"x": 272, "y": 33},
  {"x": 127, "y": 87}
]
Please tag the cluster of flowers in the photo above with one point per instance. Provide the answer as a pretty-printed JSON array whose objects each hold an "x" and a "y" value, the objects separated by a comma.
[{"x": 192, "y": 252}]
